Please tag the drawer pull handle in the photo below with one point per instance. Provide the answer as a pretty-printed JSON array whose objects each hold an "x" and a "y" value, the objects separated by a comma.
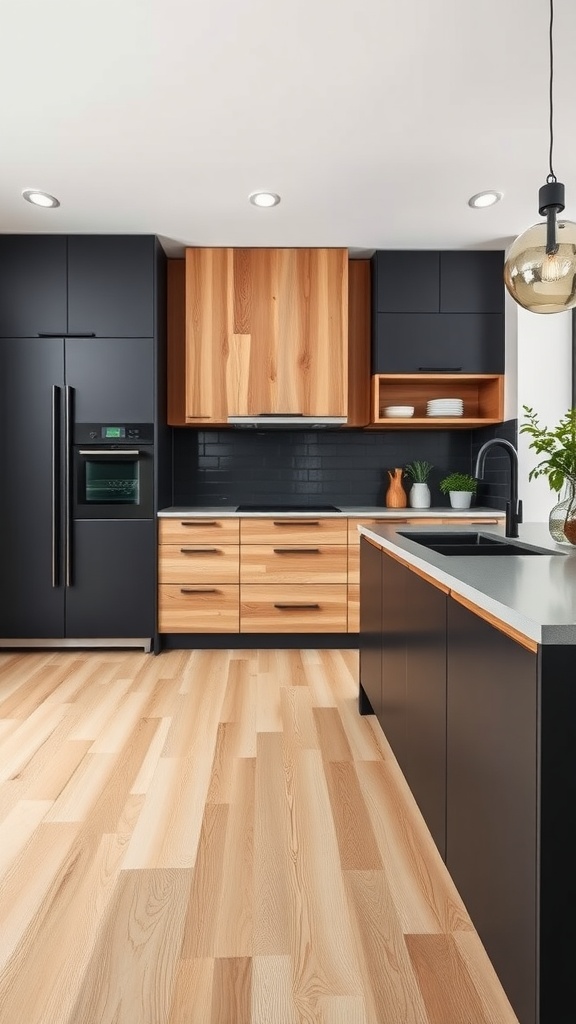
[
  {"x": 198, "y": 590},
  {"x": 292, "y": 606},
  {"x": 296, "y": 522},
  {"x": 198, "y": 522},
  {"x": 296, "y": 551},
  {"x": 199, "y": 551}
]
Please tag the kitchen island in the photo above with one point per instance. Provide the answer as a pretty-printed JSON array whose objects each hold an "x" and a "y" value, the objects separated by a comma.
[{"x": 469, "y": 664}]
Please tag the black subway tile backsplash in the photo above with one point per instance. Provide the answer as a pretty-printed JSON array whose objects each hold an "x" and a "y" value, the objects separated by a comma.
[{"x": 346, "y": 467}]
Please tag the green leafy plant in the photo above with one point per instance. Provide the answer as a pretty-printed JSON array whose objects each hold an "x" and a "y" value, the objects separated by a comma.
[
  {"x": 458, "y": 482},
  {"x": 419, "y": 471},
  {"x": 558, "y": 445}
]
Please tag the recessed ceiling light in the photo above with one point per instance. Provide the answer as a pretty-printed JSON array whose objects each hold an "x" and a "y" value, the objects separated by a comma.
[
  {"x": 38, "y": 198},
  {"x": 482, "y": 199},
  {"x": 264, "y": 198}
]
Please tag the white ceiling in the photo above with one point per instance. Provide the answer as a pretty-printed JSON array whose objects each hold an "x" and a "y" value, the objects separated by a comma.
[{"x": 374, "y": 119}]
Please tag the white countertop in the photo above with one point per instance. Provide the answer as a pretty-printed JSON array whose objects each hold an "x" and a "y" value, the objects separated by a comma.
[
  {"x": 535, "y": 594},
  {"x": 349, "y": 511}
]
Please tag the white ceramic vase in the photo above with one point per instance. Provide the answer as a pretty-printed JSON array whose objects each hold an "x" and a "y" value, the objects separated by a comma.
[
  {"x": 460, "y": 499},
  {"x": 419, "y": 496}
]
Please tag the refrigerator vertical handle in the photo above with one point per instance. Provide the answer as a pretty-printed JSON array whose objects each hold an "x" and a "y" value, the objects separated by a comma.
[
  {"x": 55, "y": 485},
  {"x": 68, "y": 413}
]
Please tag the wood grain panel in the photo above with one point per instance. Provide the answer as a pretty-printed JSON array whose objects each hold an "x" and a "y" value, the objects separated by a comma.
[
  {"x": 194, "y": 563},
  {"x": 293, "y": 563},
  {"x": 308, "y": 608},
  {"x": 266, "y": 331},
  {"x": 198, "y": 530},
  {"x": 209, "y": 297},
  {"x": 211, "y": 609},
  {"x": 353, "y": 607},
  {"x": 292, "y": 530}
]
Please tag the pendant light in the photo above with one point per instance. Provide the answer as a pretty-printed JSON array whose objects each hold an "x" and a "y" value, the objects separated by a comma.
[{"x": 540, "y": 267}]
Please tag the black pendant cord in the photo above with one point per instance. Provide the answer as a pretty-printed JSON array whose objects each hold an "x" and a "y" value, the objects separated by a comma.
[{"x": 551, "y": 177}]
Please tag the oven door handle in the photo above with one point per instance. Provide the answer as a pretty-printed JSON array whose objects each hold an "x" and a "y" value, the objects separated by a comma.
[{"x": 110, "y": 454}]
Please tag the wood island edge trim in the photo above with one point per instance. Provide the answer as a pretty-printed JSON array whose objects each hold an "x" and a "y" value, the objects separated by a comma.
[{"x": 493, "y": 620}]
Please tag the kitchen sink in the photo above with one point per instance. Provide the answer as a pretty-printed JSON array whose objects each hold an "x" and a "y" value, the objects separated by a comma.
[{"x": 473, "y": 544}]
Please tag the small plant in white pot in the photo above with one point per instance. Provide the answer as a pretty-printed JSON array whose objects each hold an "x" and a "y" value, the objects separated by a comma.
[
  {"x": 419, "y": 471},
  {"x": 460, "y": 487}
]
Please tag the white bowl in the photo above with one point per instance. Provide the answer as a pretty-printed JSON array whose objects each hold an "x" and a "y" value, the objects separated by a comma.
[{"x": 399, "y": 411}]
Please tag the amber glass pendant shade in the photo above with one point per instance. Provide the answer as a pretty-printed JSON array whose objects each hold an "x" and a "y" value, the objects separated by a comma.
[{"x": 540, "y": 282}]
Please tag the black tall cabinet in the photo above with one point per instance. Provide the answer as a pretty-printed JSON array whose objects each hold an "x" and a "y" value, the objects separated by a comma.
[{"x": 89, "y": 313}]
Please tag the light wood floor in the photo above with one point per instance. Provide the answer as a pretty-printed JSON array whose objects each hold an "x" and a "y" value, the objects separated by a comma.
[{"x": 218, "y": 838}]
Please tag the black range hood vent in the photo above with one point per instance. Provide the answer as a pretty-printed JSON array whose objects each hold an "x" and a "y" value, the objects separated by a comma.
[{"x": 286, "y": 421}]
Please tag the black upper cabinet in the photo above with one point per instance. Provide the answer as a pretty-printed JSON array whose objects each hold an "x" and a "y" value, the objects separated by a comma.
[
  {"x": 32, "y": 285},
  {"x": 438, "y": 312},
  {"x": 111, "y": 285},
  {"x": 472, "y": 282},
  {"x": 406, "y": 282},
  {"x": 438, "y": 343},
  {"x": 78, "y": 284}
]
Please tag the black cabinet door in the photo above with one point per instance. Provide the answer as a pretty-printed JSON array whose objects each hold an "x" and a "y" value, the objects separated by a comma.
[
  {"x": 113, "y": 379},
  {"x": 32, "y": 285},
  {"x": 31, "y": 594},
  {"x": 371, "y": 624},
  {"x": 113, "y": 579},
  {"x": 425, "y": 763},
  {"x": 472, "y": 282},
  {"x": 406, "y": 281},
  {"x": 492, "y": 752},
  {"x": 394, "y": 625},
  {"x": 111, "y": 285},
  {"x": 441, "y": 342}
]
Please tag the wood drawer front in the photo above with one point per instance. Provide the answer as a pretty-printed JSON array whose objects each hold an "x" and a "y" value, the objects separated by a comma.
[
  {"x": 293, "y": 531},
  {"x": 293, "y": 563},
  {"x": 202, "y": 610},
  {"x": 198, "y": 563},
  {"x": 201, "y": 530},
  {"x": 354, "y": 608},
  {"x": 308, "y": 608}
]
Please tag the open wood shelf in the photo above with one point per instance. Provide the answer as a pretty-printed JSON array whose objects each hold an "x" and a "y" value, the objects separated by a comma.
[{"x": 482, "y": 394}]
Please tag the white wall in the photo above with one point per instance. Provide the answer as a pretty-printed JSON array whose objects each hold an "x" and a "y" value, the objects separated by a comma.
[{"x": 539, "y": 374}]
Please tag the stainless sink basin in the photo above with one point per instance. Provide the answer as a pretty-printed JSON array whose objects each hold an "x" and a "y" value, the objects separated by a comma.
[{"x": 473, "y": 544}]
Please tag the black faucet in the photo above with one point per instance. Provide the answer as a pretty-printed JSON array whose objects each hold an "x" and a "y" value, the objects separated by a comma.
[{"x": 513, "y": 506}]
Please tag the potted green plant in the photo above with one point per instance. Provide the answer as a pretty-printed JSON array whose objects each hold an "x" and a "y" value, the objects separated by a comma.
[
  {"x": 419, "y": 471},
  {"x": 460, "y": 487},
  {"x": 558, "y": 446}
]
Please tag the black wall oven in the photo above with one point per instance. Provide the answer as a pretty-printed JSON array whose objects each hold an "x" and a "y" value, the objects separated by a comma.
[{"x": 113, "y": 471}]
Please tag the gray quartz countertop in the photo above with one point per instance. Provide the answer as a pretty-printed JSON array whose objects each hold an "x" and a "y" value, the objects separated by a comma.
[
  {"x": 534, "y": 594},
  {"x": 370, "y": 512}
]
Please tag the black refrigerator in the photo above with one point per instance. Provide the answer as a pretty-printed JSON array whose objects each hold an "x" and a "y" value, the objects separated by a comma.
[{"x": 70, "y": 573}]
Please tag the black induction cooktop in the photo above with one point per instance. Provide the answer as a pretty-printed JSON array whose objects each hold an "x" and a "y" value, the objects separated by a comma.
[{"x": 287, "y": 508}]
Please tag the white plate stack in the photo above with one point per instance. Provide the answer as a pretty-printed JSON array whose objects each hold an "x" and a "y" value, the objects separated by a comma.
[{"x": 445, "y": 407}]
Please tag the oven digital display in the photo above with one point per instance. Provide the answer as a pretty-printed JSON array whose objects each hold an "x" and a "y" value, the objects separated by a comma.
[{"x": 113, "y": 432}]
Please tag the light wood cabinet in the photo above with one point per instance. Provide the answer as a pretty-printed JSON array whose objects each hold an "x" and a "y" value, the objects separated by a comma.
[
  {"x": 198, "y": 581},
  {"x": 482, "y": 395},
  {"x": 304, "y": 608},
  {"x": 266, "y": 330},
  {"x": 266, "y": 575}
]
